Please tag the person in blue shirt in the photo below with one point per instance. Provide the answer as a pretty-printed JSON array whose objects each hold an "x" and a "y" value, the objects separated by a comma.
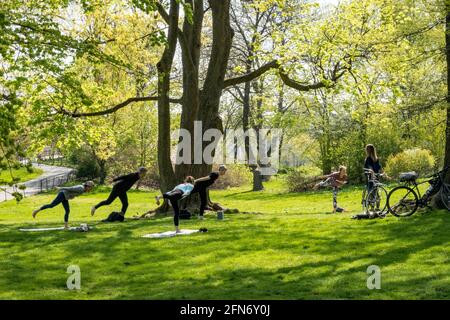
[{"x": 180, "y": 192}]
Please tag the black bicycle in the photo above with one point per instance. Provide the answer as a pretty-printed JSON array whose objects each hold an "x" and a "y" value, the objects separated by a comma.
[
  {"x": 404, "y": 200},
  {"x": 374, "y": 200}
]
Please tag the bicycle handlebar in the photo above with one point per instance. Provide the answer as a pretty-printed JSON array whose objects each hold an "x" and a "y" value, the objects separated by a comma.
[{"x": 370, "y": 171}]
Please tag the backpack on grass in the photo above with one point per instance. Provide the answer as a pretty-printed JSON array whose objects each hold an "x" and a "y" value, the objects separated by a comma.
[
  {"x": 114, "y": 216},
  {"x": 185, "y": 214}
]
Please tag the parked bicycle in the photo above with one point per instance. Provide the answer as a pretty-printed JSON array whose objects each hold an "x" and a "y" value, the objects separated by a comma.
[
  {"x": 404, "y": 200},
  {"x": 374, "y": 200}
]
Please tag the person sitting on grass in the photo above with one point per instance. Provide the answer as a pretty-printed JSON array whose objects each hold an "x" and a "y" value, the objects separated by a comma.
[
  {"x": 201, "y": 186},
  {"x": 64, "y": 195},
  {"x": 124, "y": 183},
  {"x": 178, "y": 193},
  {"x": 334, "y": 180}
]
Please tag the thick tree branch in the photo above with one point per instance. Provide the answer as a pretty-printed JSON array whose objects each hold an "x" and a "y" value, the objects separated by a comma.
[
  {"x": 114, "y": 108},
  {"x": 422, "y": 107},
  {"x": 252, "y": 75},
  {"x": 337, "y": 73}
]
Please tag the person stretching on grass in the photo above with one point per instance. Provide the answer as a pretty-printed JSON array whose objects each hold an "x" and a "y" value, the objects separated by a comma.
[
  {"x": 202, "y": 184},
  {"x": 124, "y": 183},
  {"x": 178, "y": 193},
  {"x": 335, "y": 180},
  {"x": 64, "y": 195}
]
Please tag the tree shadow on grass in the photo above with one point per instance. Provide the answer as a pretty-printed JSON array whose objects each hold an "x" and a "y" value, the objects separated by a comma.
[{"x": 245, "y": 259}]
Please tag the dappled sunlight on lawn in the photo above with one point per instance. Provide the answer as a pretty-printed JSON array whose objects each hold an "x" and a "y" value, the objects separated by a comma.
[{"x": 292, "y": 249}]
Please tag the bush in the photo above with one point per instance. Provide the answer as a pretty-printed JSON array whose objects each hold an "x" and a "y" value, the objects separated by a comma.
[
  {"x": 302, "y": 178},
  {"x": 237, "y": 175},
  {"x": 29, "y": 168},
  {"x": 419, "y": 160},
  {"x": 86, "y": 166}
]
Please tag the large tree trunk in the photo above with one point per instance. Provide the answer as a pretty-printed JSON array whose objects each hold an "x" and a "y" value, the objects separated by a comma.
[
  {"x": 164, "y": 66},
  {"x": 212, "y": 89},
  {"x": 447, "y": 54},
  {"x": 436, "y": 201},
  {"x": 190, "y": 40},
  {"x": 203, "y": 105}
]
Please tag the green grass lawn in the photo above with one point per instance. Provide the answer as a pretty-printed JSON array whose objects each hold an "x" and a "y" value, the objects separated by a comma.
[
  {"x": 291, "y": 248},
  {"x": 21, "y": 173}
]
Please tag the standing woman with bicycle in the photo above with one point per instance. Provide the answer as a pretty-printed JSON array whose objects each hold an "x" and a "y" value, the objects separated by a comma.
[
  {"x": 375, "y": 203},
  {"x": 372, "y": 163}
]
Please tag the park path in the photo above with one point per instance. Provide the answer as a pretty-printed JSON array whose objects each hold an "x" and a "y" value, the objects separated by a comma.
[{"x": 53, "y": 176}]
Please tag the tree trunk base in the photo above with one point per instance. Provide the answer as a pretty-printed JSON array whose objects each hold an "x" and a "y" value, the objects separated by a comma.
[
  {"x": 163, "y": 209},
  {"x": 166, "y": 210},
  {"x": 257, "y": 180},
  {"x": 436, "y": 201}
]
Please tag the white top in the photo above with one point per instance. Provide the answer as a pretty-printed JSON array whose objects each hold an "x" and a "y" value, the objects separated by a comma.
[{"x": 185, "y": 187}]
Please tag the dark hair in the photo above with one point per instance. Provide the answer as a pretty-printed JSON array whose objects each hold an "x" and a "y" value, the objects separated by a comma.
[{"x": 371, "y": 152}]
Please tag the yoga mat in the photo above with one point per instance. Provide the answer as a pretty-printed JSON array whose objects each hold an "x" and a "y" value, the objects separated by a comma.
[
  {"x": 42, "y": 229},
  {"x": 54, "y": 229},
  {"x": 168, "y": 234}
]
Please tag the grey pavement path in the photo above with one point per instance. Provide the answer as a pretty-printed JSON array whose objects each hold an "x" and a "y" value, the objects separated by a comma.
[{"x": 34, "y": 186}]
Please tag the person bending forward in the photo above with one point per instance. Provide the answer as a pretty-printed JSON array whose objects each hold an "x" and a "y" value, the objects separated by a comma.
[
  {"x": 124, "y": 183},
  {"x": 64, "y": 195},
  {"x": 201, "y": 186},
  {"x": 178, "y": 193}
]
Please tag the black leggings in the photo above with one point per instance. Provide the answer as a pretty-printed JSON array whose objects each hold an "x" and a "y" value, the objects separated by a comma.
[
  {"x": 60, "y": 198},
  {"x": 122, "y": 195},
  {"x": 174, "y": 196},
  {"x": 203, "y": 197}
]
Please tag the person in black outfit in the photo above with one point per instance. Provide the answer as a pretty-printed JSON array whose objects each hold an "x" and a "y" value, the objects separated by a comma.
[
  {"x": 202, "y": 184},
  {"x": 372, "y": 162},
  {"x": 124, "y": 183}
]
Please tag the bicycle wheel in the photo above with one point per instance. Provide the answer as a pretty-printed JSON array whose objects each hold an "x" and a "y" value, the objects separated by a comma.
[
  {"x": 445, "y": 195},
  {"x": 376, "y": 201},
  {"x": 402, "y": 201}
]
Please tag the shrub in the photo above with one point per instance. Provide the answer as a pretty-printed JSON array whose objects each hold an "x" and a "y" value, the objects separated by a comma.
[
  {"x": 419, "y": 160},
  {"x": 86, "y": 166},
  {"x": 302, "y": 178},
  {"x": 237, "y": 175},
  {"x": 29, "y": 168}
]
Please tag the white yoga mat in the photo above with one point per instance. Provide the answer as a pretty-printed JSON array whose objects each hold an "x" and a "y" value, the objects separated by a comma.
[
  {"x": 53, "y": 229},
  {"x": 168, "y": 234},
  {"x": 42, "y": 229}
]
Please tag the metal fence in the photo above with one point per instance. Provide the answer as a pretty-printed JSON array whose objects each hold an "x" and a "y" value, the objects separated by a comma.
[{"x": 55, "y": 181}]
